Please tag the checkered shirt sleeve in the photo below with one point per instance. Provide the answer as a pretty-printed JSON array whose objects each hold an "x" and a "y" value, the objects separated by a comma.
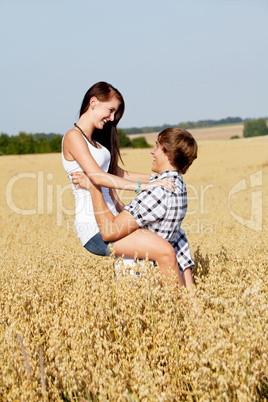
[{"x": 149, "y": 206}]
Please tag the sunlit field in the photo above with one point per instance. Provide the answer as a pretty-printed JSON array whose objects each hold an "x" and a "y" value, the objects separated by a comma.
[
  {"x": 72, "y": 330},
  {"x": 221, "y": 132}
]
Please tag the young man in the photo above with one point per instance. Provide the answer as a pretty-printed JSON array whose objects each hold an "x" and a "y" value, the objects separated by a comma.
[{"x": 157, "y": 209}]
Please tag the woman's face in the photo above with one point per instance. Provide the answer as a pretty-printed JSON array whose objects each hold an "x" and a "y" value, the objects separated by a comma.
[{"x": 104, "y": 111}]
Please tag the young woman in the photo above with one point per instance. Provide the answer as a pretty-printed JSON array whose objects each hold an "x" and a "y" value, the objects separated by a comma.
[{"x": 92, "y": 146}]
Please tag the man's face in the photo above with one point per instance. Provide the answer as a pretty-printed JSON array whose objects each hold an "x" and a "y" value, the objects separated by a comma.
[{"x": 160, "y": 159}]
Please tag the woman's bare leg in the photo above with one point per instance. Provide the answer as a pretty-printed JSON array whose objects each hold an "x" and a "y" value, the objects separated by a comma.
[{"x": 147, "y": 243}]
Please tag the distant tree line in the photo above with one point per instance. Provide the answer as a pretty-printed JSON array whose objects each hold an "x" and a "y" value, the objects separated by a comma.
[
  {"x": 125, "y": 141},
  {"x": 24, "y": 143},
  {"x": 41, "y": 143},
  {"x": 186, "y": 125},
  {"x": 254, "y": 128}
]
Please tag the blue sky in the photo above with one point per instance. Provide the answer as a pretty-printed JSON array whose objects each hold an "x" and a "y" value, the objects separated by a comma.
[{"x": 172, "y": 60}]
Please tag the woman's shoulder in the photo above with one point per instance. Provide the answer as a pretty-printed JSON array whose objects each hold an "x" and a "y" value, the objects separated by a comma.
[
  {"x": 72, "y": 137},
  {"x": 72, "y": 134}
]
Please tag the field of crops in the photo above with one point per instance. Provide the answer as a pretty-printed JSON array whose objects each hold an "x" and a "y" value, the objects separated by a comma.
[
  {"x": 223, "y": 132},
  {"x": 72, "y": 330}
]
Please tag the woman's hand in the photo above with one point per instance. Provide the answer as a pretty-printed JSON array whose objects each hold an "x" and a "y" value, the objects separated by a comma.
[
  {"x": 169, "y": 184},
  {"x": 80, "y": 180}
]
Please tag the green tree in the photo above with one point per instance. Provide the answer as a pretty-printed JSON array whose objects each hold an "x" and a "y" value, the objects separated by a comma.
[
  {"x": 254, "y": 128},
  {"x": 55, "y": 143},
  {"x": 4, "y": 141},
  {"x": 124, "y": 141},
  {"x": 21, "y": 144},
  {"x": 140, "y": 142},
  {"x": 42, "y": 145}
]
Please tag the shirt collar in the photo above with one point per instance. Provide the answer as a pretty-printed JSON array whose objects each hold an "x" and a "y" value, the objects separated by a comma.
[{"x": 166, "y": 174}]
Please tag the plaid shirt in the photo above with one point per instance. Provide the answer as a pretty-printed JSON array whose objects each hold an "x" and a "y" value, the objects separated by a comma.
[{"x": 162, "y": 211}]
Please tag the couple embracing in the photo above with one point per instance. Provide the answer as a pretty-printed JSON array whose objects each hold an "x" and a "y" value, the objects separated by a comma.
[{"x": 151, "y": 224}]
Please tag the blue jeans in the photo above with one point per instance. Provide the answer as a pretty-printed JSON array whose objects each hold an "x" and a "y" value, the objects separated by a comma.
[{"x": 97, "y": 246}]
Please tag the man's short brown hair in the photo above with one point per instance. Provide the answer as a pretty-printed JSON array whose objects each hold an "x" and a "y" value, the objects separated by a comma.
[{"x": 180, "y": 147}]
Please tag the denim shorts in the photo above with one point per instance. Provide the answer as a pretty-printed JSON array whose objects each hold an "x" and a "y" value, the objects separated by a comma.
[{"x": 98, "y": 246}]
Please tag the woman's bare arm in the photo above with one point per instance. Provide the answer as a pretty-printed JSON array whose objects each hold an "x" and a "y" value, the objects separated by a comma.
[
  {"x": 134, "y": 176},
  {"x": 75, "y": 146}
]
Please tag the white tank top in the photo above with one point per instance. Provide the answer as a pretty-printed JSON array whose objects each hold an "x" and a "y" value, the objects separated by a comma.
[{"x": 85, "y": 223}]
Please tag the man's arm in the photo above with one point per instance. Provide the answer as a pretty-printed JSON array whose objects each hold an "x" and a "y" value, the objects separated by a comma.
[{"x": 111, "y": 227}]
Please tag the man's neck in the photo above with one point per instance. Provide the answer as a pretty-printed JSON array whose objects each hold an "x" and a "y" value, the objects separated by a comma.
[{"x": 168, "y": 168}]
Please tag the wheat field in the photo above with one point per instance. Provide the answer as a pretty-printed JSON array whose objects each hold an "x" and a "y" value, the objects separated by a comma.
[
  {"x": 72, "y": 330},
  {"x": 223, "y": 132}
]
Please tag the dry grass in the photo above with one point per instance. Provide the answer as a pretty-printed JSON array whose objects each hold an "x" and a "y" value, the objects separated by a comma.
[{"x": 70, "y": 330}]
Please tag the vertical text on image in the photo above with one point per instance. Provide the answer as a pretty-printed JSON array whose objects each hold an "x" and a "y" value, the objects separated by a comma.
[{"x": 194, "y": 194}]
